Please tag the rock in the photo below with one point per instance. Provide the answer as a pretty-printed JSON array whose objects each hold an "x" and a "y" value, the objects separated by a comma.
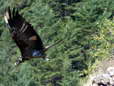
[
  {"x": 110, "y": 70},
  {"x": 104, "y": 79}
]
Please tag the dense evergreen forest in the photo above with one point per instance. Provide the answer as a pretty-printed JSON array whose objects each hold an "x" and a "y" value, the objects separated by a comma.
[{"x": 87, "y": 28}]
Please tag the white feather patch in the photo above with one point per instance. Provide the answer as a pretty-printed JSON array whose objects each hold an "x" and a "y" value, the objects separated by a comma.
[{"x": 6, "y": 17}]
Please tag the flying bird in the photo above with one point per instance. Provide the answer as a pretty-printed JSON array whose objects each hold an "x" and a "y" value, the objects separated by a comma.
[{"x": 25, "y": 37}]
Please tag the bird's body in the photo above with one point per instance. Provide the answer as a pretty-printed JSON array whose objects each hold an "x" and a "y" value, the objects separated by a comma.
[{"x": 25, "y": 37}]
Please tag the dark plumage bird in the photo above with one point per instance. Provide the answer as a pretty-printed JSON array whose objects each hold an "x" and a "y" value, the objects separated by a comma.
[{"x": 25, "y": 37}]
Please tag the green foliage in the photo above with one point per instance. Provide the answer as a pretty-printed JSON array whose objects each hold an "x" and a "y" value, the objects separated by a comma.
[{"x": 86, "y": 31}]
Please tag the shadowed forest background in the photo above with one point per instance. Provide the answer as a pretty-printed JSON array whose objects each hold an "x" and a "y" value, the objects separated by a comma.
[{"x": 87, "y": 28}]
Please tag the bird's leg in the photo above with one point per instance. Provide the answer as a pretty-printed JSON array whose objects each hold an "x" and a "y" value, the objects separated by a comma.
[{"x": 44, "y": 57}]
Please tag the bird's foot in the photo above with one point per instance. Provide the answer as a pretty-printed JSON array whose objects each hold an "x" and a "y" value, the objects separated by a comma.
[{"x": 18, "y": 61}]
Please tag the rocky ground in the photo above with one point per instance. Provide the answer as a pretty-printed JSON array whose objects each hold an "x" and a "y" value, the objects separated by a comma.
[{"x": 103, "y": 75}]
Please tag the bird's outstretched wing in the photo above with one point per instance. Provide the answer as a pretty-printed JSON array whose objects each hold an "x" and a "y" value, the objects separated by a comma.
[{"x": 22, "y": 32}]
